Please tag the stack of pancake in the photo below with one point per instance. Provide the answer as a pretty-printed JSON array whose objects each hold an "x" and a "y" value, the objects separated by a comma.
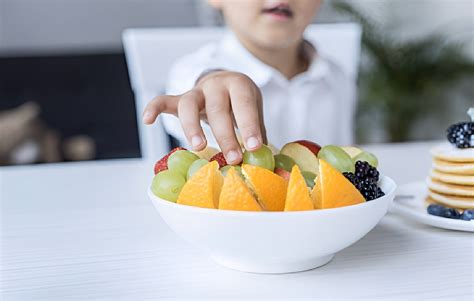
[{"x": 451, "y": 181}]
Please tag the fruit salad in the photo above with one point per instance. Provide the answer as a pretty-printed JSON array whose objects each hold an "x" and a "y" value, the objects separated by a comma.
[{"x": 301, "y": 176}]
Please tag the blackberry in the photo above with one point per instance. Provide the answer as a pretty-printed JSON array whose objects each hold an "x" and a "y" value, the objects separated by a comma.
[
  {"x": 368, "y": 189},
  {"x": 462, "y": 134},
  {"x": 380, "y": 193},
  {"x": 364, "y": 171},
  {"x": 365, "y": 179},
  {"x": 351, "y": 177}
]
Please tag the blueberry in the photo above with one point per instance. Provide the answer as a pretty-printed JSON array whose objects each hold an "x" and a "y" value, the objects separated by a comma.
[
  {"x": 435, "y": 209},
  {"x": 467, "y": 215},
  {"x": 452, "y": 213}
]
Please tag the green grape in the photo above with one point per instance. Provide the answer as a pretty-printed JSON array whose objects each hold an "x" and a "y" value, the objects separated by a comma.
[
  {"x": 180, "y": 161},
  {"x": 195, "y": 166},
  {"x": 337, "y": 157},
  {"x": 367, "y": 157},
  {"x": 283, "y": 161},
  {"x": 309, "y": 178},
  {"x": 167, "y": 185},
  {"x": 226, "y": 168},
  {"x": 262, "y": 157}
]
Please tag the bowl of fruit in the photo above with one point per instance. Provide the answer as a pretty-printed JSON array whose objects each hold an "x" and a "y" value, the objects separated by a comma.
[{"x": 278, "y": 211}]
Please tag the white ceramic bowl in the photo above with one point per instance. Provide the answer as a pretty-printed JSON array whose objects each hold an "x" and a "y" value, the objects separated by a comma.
[{"x": 275, "y": 242}]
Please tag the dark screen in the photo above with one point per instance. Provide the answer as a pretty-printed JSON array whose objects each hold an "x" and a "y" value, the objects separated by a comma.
[{"x": 78, "y": 95}]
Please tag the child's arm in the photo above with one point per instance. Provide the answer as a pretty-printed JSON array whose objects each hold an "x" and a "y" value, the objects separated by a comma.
[{"x": 223, "y": 99}]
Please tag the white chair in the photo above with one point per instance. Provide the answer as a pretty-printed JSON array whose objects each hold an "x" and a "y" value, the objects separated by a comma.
[{"x": 150, "y": 53}]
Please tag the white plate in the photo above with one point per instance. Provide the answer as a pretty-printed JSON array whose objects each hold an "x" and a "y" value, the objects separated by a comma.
[{"x": 410, "y": 202}]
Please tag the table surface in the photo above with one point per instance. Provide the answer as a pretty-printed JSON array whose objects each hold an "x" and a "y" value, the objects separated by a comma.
[{"x": 88, "y": 231}]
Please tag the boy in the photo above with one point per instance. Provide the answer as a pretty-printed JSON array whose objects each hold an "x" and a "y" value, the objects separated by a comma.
[{"x": 263, "y": 70}]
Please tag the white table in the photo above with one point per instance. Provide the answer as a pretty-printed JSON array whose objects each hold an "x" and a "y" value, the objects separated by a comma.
[{"x": 87, "y": 231}]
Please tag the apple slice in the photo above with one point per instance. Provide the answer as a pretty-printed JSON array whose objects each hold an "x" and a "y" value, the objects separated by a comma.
[
  {"x": 207, "y": 153},
  {"x": 282, "y": 173},
  {"x": 313, "y": 147},
  {"x": 302, "y": 155},
  {"x": 352, "y": 151}
]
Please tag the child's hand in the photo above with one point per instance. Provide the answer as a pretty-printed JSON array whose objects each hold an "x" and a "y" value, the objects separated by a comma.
[{"x": 223, "y": 99}]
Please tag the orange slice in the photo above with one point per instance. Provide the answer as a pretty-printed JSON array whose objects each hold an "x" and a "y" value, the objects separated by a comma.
[
  {"x": 203, "y": 188},
  {"x": 333, "y": 190},
  {"x": 316, "y": 193},
  {"x": 269, "y": 187},
  {"x": 235, "y": 195},
  {"x": 297, "y": 196}
]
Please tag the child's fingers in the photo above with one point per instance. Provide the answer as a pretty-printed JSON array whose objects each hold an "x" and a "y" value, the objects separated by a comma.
[
  {"x": 189, "y": 107},
  {"x": 220, "y": 119},
  {"x": 263, "y": 130},
  {"x": 158, "y": 105},
  {"x": 244, "y": 100}
]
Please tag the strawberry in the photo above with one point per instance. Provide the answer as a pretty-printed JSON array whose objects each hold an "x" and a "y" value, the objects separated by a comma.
[
  {"x": 282, "y": 173},
  {"x": 219, "y": 157},
  {"x": 162, "y": 164}
]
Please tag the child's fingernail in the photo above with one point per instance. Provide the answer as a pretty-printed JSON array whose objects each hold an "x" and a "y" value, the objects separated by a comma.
[
  {"x": 252, "y": 142},
  {"x": 232, "y": 156},
  {"x": 196, "y": 141},
  {"x": 146, "y": 115}
]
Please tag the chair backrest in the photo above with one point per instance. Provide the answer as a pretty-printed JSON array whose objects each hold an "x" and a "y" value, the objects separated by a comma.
[{"x": 150, "y": 53}]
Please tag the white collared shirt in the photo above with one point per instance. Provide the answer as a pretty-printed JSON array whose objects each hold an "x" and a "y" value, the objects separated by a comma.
[{"x": 316, "y": 105}]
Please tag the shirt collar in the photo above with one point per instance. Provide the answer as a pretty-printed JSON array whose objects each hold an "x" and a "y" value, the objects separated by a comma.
[
  {"x": 243, "y": 61},
  {"x": 319, "y": 65}
]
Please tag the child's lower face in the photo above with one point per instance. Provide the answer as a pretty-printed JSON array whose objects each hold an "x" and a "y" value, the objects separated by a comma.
[{"x": 271, "y": 24}]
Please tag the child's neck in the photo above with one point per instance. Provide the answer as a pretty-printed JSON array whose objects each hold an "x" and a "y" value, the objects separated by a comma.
[{"x": 289, "y": 61}]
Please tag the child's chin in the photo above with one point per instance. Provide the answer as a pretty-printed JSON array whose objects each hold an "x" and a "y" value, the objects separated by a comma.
[{"x": 279, "y": 38}]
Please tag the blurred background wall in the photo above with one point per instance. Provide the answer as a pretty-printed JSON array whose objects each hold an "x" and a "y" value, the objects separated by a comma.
[
  {"x": 60, "y": 25},
  {"x": 42, "y": 40},
  {"x": 34, "y": 26}
]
